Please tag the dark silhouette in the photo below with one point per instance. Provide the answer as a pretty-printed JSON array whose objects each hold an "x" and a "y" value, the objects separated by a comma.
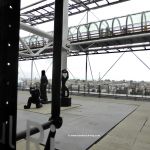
[
  {"x": 65, "y": 99},
  {"x": 34, "y": 98},
  {"x": 65, "y": 76},
  {"x": 43, "y": 87}
]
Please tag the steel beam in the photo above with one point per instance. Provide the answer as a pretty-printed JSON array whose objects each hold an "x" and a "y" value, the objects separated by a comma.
[
  {"x": 113, "y": 39},
  {"x": 79, "y": 6},
  {"x": 64, "y": 36},
  {"x": 33, "y": 4},
  {"x": 35, "y": 31}
]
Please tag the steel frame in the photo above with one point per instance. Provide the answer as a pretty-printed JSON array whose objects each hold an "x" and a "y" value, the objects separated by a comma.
[
  {"x": 137, "y": 42},
  {"x": 84, "y": 41},
  {"x": 43, "y": 11},
  {"x": 97, "y": 50},
  {"x": 9, "y": 49}
]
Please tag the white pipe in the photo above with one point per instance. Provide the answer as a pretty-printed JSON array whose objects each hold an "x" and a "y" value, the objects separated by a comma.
[
  {"x": 35, "y": 31},
  {"x": 25, "y": 54}
]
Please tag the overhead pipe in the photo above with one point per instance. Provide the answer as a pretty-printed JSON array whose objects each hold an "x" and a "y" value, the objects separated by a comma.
[{"x": 36, "y": 31}]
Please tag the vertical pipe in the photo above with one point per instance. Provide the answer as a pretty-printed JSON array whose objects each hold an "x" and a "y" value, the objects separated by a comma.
[
  {"x": 64, "y": 36},
  {"x": 99, "y": 89},
  {"x": 86, "y": 67},
  {"x": 84, "y": 89},
  {"x": 71, "y": 89},
  {"x": 86, "y": 53},
  {"x": 56, "y": 75},
  {"x": 31, "y": 72},
  {"x": 78, "y": 89}
]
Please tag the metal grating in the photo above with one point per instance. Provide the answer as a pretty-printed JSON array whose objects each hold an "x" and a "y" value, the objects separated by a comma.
[{"x": 43, "y": 11}]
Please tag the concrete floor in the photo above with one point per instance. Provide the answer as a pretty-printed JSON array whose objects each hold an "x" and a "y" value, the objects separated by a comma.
[{"x": 133, "y": 133}]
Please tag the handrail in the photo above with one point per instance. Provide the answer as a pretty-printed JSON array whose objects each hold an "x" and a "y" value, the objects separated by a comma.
[
  {"x": 34, "y": 130},
  {"x": 123, "y": 28}
]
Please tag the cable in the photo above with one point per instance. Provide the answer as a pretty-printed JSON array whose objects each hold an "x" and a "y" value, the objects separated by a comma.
[
  {"x": 36, "y": 69},
  {"x": 71, "y": 73},
  {"x": 82, "y": 19},
  {"x": 22, "y": 72},
  {"x": 141, "y": 61},
  {"x": 79, "y": 23},
  {"x": 94, "y": 15},
  {"x": 112, "y": 66},
  {"x": 90, "y": 68},
  {"x": 49, "y": 66}
]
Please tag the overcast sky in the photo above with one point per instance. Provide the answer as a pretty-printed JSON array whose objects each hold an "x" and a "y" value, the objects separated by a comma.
[{"x": 128, "y": 67}]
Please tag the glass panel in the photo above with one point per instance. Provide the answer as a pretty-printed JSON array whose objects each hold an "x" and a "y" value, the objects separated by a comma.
[
  {"x": 147, "y": 14},
  {"x": 82, "y": 32},
  {"x": 104, "y": 29},
  {"x": 116, "y": 26},
  {"x": 32, "y": 41},
  {"x": 40, "y": 41},
  {"x": 73, "y": 31},
  {"x": 93, "y": 30},
  {"x": 123, "y": 25},
  {"x": 129, "y": 24},
  {"x": 70, "y": 35},
  {"x": 136, "y": 23},
  {"x": 27, "y": 40}
]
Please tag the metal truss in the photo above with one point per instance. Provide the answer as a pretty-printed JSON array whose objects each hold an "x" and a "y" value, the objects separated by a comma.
[
  {"x": 106, "y": 36},
  {"x": 111, "y": 49},
  {"x": 115, "y": 27},
  {"x": 48, "y": 52},
  {"x": 43, "y": 11}
]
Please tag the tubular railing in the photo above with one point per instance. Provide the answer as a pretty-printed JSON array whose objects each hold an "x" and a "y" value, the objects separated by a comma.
[
  {"x": 108, "y": 90},
  {"x": 104, "y": 90},
  {"x": 118, "y": 26}
]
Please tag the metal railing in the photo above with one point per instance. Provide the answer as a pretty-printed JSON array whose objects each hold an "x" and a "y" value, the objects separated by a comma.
[
  {"x": 105, "y": 90},
  {"x": 110, "y": 91},
  {"x": 118, "y": 26}
]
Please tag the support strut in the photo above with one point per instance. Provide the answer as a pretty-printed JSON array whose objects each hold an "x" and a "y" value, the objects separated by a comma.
[{"x": 56, "y": 76}]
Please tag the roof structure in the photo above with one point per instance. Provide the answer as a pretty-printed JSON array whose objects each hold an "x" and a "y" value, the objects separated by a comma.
[
  {"x": 43, "y": 11},
  {"x": 117, "y": 35}
]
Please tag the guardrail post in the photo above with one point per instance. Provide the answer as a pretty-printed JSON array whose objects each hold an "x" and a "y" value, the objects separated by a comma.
[
  {"x": 84, "y": 89},
  {"x": 88, "y": 88},
  {"x": 99, "y": 90},
  {"x": 71, "y": 89},
  {"x": 78, "y": 89}
]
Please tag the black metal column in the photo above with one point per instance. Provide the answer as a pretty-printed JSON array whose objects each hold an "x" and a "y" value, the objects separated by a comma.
[
  {"x": 56, "y": 76},
  {"x": 9, "y": 47},
  {"x": 86, "y": 67}
]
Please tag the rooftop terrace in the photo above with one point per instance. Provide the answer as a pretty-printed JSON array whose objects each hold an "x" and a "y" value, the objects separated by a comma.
[{"x": 114, "y": 124}]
